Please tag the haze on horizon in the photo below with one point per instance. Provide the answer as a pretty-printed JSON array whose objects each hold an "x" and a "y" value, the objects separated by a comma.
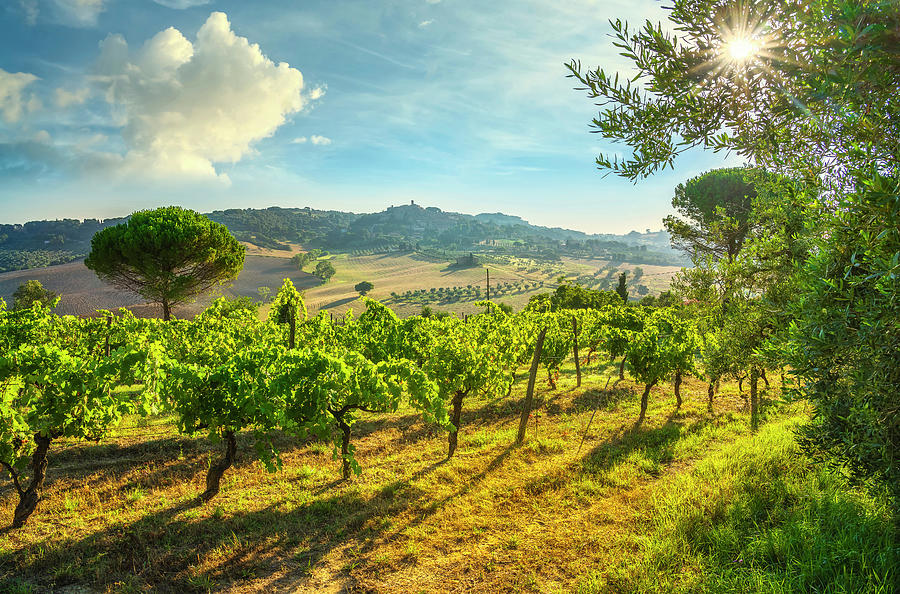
[{"x": 108, "y": 106}]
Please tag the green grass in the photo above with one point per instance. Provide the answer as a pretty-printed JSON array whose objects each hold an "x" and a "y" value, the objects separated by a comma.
[
  {"x": 757, "y": 516},
  {"x": 691, "y": 501}
]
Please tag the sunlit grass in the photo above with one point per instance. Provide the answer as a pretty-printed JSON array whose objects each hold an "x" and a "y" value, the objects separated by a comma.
[{"x": 665, "y": 507}]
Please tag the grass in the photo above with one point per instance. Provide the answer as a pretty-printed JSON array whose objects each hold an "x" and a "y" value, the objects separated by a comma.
[{"x": 691, "y": 501}]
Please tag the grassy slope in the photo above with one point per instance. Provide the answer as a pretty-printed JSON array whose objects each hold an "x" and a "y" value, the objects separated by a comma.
[{"x": 691, "y": 501}]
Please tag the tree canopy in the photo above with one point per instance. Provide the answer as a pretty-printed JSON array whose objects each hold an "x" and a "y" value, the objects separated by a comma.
[
  {"x": 714, "y": 211},
  {"x": 33, "y": 291},
  {"x": 168, "y": 255},
  {"x": 363, "y": 287},
  {"x": 813, "y": 100},
  {"x": 324, "y": 270}
]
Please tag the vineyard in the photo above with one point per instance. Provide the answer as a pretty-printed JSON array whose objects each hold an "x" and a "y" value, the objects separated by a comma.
[{"x": 263, "y": 389}]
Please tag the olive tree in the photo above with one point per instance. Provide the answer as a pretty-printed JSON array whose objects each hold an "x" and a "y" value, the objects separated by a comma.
[{"x": 806, "y": 90}]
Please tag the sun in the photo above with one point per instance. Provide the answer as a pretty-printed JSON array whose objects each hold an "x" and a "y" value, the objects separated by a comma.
[{"x": 741, "y": 49}]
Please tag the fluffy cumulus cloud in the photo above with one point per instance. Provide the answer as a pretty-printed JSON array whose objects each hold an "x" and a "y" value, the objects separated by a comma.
[
  {"x": 319, "y": 140},
  {"x": 13, "y": 101},
  {"x": 185, "y": 107}
]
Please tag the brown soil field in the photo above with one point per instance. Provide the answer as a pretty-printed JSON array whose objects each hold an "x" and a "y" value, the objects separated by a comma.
[{"x": 82, "y": 293}]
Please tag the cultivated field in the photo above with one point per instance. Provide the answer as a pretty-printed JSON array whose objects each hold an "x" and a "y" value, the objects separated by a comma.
[
  {"x": 690, "y": 501},
  {"x": 83, "y": 293}
]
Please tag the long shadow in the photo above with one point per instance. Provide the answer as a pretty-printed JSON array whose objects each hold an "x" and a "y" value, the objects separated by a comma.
[
  {"x": 626, "y": 440},
  {"x": 339, "y": 302},
  {"x": 161, "y": 550}
]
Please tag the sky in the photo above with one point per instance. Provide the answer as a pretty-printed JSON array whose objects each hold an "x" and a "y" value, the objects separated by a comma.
[{"x": 111, "y": 106}]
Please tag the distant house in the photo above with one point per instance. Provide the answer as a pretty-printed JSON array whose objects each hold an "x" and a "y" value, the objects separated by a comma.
[{"x": 466, "y": 261}]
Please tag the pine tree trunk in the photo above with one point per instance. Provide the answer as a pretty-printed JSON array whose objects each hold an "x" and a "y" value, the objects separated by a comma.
[
  {"x": 762, "y": 374},
  {"x": 29, "y": 498},
  {"x": 167, "y": 311},
  {"x": 455, "y": 419},
  {"x": 678, "y": 389},
  {"x": 214, "y": 475}
]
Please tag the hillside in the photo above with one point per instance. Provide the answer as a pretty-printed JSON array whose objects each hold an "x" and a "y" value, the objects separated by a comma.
[
  {"x": 691, "y": 502},
  {"x": 43, "y": 243}
]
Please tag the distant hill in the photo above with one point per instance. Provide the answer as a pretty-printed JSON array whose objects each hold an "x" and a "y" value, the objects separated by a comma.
[{"x": 409, "y": 227}]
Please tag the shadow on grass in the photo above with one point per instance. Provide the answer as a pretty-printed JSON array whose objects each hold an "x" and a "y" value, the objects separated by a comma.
[
  {"x": 339, "y": 302},
  {"x": 174, "y": 551},
  {"x": 657, "y": 443}
]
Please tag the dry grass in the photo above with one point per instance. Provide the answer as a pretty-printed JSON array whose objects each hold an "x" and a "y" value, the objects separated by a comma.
[{"x": 121, "y": 516}]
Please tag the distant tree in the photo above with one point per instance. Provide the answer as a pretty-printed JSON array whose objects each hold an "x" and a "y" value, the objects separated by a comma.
[
  {"x": 324, "y": 270},
  {"x": 363, "y": 287},
  {"x": 505, "y": 308},
  {"x": 33, "y": 291},
  {"x": 715, "y": 214},
  {"x": 621, "y": 289},
  {"x": 571, "y": 296},
  {"x": 168, "y": 256}
]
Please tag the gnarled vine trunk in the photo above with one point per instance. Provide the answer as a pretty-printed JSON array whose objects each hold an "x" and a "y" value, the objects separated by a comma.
[
  {"x": 622, "y": 367},
  {"x": 710, "y": 392},
  {"x": 455, "y": 419},
  {"x": 345, "y": 448},
  {"x": 29, "y": 497},
  {"x": 644, "y": 399},
  {"x": 754, "y": 399},
  {"x": 214, "y": 475},
  {"x": 678, "y": 389}
]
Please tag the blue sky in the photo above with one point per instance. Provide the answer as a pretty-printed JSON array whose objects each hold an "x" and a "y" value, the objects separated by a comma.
[{"x": 108, "y": 106}]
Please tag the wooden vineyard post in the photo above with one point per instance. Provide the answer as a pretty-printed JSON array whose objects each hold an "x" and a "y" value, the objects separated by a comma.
[
  {"x": 575, "y": 349},
  {"x": 529, "y": 394}
]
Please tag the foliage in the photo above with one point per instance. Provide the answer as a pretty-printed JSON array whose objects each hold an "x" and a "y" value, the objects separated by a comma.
[
  {"x": 622, "y": 288},
  {"x": 363, "y": 287},
  {"x": 168, "y": 255},
  {"x": 815, "y": 104},
  {"x": 33, "y": 291},
  {"x": 715, "y": 214},
  {"x": 324, "y": 270}
]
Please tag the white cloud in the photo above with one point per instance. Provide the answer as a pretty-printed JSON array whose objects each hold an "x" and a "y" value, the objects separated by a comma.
[
  {"x": 182, "y": 4},
  {"x": 185, "y": 106},
  {"x": 13, "y": 104},
  {"x": 80, "y": 13},
  {"x": 299, "y": 140},
  {"x": 317, "y": 93},
  {"x": 319, "y": 140},
  {"x": 425, "y": 23},
  {"x": 66, "y": 98}
]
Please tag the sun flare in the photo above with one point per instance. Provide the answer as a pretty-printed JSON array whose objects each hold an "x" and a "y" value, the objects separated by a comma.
[{"x": 741, "y": 49}]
